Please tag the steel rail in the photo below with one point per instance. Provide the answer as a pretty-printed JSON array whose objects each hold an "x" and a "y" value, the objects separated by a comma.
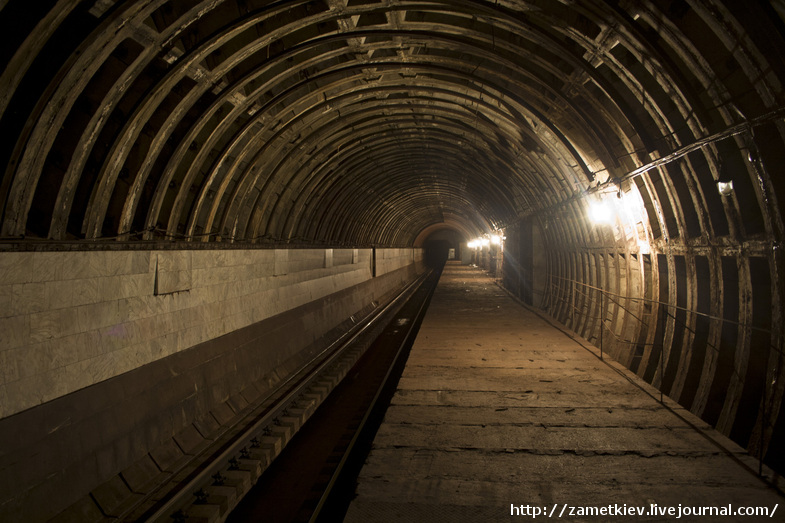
[
  {"x": 185, "y": 495},
  {"x": 413, "y": 326}
]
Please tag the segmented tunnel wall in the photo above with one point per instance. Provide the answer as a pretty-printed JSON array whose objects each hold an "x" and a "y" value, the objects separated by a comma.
[
  {"x": 353, "y": 123},
  {"x": 698, "y": 317}
]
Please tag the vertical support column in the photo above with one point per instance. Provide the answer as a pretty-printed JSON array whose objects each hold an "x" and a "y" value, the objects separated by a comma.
[
  {"x": 572, "y": 304},
  {"x": 602, "y": 319},
  {"x": 762, "y": 424},
  {"x": 663, "y": 310}
]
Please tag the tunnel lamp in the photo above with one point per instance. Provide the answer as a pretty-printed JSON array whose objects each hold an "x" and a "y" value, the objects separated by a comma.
[
  {"x": 478, "y": 243},
  {"x": 496, "y": 239},
  {"x": 601, "y": 211},
  {"x": 725, "y": 187}
]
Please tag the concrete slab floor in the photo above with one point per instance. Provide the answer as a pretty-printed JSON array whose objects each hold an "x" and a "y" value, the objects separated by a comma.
[{"x": 500, "y": 415}]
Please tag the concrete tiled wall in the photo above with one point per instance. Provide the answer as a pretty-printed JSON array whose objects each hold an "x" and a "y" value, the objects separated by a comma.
[
  {"x": 72, "y": 319},
  {"x": 388, "y": 260}
]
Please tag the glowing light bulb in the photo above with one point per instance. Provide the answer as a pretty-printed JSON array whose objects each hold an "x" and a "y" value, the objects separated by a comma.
[
  {"x": 725, "y": 188},
  {"x": 601, "y": 212}
]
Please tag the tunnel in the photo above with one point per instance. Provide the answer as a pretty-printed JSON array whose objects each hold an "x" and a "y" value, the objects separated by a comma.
[{"x": 198, "y": 196}]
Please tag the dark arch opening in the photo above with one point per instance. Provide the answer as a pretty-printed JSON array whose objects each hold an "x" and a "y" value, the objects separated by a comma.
[
  {"x": 441, "y": 246},
  {"x": 437, "y": 252}
]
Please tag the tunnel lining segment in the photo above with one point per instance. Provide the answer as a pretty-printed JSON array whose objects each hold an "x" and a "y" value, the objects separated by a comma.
[{"x": 353, "y": 124}]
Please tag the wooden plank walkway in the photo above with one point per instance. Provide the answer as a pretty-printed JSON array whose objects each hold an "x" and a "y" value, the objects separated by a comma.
[{"x": 498, "y": 412}]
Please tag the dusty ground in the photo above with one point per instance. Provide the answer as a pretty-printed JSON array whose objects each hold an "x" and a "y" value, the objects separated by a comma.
[{"x": 500, "y": 415}]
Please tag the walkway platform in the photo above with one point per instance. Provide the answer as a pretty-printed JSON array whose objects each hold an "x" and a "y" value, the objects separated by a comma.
[{"x": 500, "y": 415}]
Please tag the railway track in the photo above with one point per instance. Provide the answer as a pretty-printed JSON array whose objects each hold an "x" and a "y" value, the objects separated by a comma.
[{"x": 293, "y": 457}]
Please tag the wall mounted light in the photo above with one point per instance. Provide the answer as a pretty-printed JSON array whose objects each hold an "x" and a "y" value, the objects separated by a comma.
[
  {"x": 725, "y": 187},
  {"x": 485, "y": 241},
  {"x": 623, "y": 211},
  {"x": 601, "y": 211},
  {"x": 478, "y": 243}
]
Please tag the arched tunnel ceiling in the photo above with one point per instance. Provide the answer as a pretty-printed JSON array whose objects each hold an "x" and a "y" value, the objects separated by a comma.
[{"x": 352, "y": 122}]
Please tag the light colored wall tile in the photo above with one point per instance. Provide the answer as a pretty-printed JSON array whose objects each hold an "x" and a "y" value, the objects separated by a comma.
[
  {"x": 36, "y": 359},
  {"x": 3, "y": 399},
  {"x": 242, "y": 273},
  {"x": 116, "y": 262},
  {"x": 165, "y": 345},
  {"x": 14, "y": 331},
  {"x": 98, "y": 369},
  {"x": 281, "y": 266},
  {"x": 6, "y": 297},
  {"x": 263, "y": 268},
  {"x": 88, "y": 291},
  {"x": 207, "y": 259},
  {"x": 16, "y": 267},
  {"x": 109, "y": 287},
  {"x": 174, "y": 260},
  {"x": 18, "y": 395},
  {"x": 92, "y": 264},
  {"x": 60, "y": 352},
  {"x": 173, "y": 272},
  {"x": 28, "y": 298},
  {"x": 52, "y": 324},
  {"x": 89, "y": 316},
  {"x": 164, "y": 324},
  {"x": 210, "y": 293},
  {"x": 173, "y": 281},
  {"x": 82, "y": 265},
  {"x": 98, "y": 315},
  {"x": 33, "y": 390},
  {"x": 191, "y": 336},
  {"x": 172, "y": 301},
  {"x": 88, "y": 345},
  {"x": 124, "y": 359},
  {"x": 137, "y": 285},
  {"x": 59, "y": 295},
  {"x": 39, "y": 358},
  {"x": 241, "y": 257},
  {"x": 48, "y": 266},
  {"x": 9, "y": 370},
  {"x": 342, "y": 256},
  {"x": 117, "y": 336},
  {"x": 141, "y": 262}
]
